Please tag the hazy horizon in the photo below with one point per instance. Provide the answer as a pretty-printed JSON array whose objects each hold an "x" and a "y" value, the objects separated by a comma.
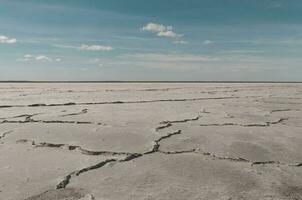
[{"x": 179, "y": 40}]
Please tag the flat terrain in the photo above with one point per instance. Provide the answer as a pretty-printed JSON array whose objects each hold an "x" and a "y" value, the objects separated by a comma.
[{"x": 135, "y": 141}]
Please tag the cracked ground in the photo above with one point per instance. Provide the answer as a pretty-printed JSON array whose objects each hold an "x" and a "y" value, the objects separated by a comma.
[{"x": 150, "y": 141}]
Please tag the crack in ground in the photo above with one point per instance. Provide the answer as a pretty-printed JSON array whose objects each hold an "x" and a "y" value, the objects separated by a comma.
[
  {"x": 73, "y": 147},
  {"x": 181, "y": 121},
  {"x": 218, "y": 91},
  {"x": 197, "y": 150},
  {"x": 156, "y": 143},
  {"x": 267, "y": 124},
  {"x": 66, "y": 179},
  {"x": 208, "y": 154},
  {"x": 30, "y": 120},
  {"x": 276, "y": 102},
  {"x": 27, "y": 116},
  {"x": 5, "y": 134},
  {"x": 129, "y": 157},
  {"x": 167, "y": 124},
  {"x": 155, "y": 149},
  {"x": 283, "y": 110},
  {"x": 163, "y": 127},
  {"x": 119, "y": 102},
  {"x": 84, "y": 111},
  {"x": 234, "y": 159}
]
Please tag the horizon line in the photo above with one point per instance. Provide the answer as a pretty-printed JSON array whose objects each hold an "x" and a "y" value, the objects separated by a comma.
[{"x": 132, "y": 81}]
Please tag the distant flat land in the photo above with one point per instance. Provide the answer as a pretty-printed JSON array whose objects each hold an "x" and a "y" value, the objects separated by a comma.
[{"x": 161, "y": 141}]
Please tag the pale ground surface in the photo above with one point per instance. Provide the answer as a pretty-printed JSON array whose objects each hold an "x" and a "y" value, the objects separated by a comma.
[{"x": 150, "y": 141}]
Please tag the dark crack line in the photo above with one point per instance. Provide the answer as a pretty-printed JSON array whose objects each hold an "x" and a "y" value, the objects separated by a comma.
[
  {"x": 278, "y": 122},
  {"x": 283, "y": 110},
  {"x": 218, "y": 91},
  {"x": 5, "y": 134},
  {"x": 29, "y": 120},
  {"x": 74, "y": 147},
  {"x": 156, "y": 143},
  {"x": 163, "y": 127},
  {"x": 27, "y": 116},
  {"x": 167, "y": 124},
  {"x": 276, "y": 102},
  {"x": 119, "y": 102},
  {"x": 181, "y": 121},
  {"x": 208, "y": 154},
  {"x": 66, "y": 179},
  {"x": 233, "y": 159},
  {"x": 267, "y": 124},
  {"x": 84, "y": 111}
]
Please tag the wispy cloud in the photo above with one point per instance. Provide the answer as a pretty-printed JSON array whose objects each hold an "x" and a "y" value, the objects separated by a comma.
[
  {"x": 7, "y": 40},
  {"x": 165, "y": 61},
  {"x": 205, "y": 63},
  {"x": 180, "y": 42},
  {"x": 95, "y": 48},
  {"x": 172, "y": 57},
  {"x": 29, "y": 57},
  {"x": 64, "y": 46},
  {"x": 207, "y": 42},
  {"x": 163, "y": 31},
  {"x": 85, "y": 47}
]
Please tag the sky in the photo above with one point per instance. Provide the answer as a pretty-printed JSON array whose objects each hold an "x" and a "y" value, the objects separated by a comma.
[{"x": 168, "y": 40}]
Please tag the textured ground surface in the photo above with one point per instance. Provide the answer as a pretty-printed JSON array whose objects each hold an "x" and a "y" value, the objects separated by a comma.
[{"x": 150, "y": 141}]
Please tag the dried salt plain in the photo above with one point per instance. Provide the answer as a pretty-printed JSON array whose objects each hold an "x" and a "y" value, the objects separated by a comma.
[{"x": 136, "y": 141}]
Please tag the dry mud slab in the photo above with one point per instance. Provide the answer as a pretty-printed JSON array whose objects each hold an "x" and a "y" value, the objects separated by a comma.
[{"x": 150, "y": 141}]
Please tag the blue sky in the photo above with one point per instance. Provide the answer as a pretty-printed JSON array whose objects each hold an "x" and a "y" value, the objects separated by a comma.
[{"x": 184, "y": 40}]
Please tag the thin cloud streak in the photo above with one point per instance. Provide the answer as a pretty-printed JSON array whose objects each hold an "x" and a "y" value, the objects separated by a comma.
[
  {"x": 7, "y": 40},
  {"x": 30, "y": 58},
  {"x": 85, "y": 47}
]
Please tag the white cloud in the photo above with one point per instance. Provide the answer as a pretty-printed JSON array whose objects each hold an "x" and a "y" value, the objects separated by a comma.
[
  {"x": 169, "y": 34},
  {"x": 161, "y": 30},
  {"x": 29, "y": 57},
  {"x": 95, "y": 48},
  {"x": 153, "y": 27},
  {"x": 207, "y": 42},
  {"x": 26, "y": 57},
  {"x": 41, "y": 57},
  {"x": 85, "y": 47},
  {"x": 7, "y": 40}
]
